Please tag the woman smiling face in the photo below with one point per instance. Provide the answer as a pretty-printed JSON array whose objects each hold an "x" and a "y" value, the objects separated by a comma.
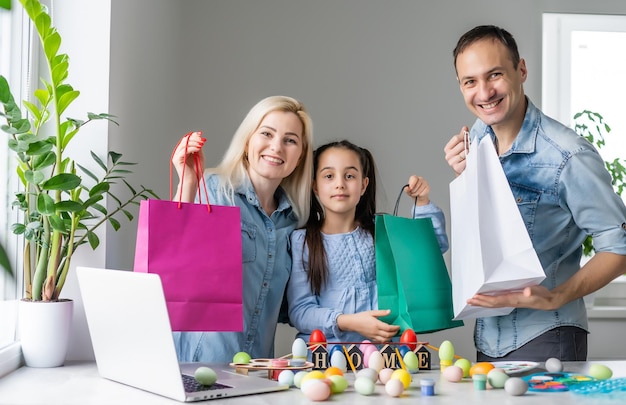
[{"x": 275, "y": 147}]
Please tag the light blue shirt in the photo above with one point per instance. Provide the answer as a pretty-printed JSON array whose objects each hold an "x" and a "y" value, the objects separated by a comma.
[
  {"x": 266, "y": 269},
  {"x": 351, "y": 286},
  {"x": 564, "y": 193}
]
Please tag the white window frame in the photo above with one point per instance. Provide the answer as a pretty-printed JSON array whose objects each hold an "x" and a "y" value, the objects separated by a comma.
[{"x": 608, "y": 302}]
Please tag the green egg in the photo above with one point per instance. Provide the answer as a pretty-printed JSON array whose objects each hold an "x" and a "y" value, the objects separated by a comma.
[
  {"x": 410, "y": 361},
  {"x": 446, "y": 350},
  {"x": 465, "y": 366},
  {"x": 338, "y": 384},
  {"x": 205, "y": 376},
  {"x": 600, "y": 372},
  {"x": 241, "y": 358}
]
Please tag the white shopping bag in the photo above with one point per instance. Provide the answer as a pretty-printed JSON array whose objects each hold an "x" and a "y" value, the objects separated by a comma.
[{"x": 491, "y": 251}]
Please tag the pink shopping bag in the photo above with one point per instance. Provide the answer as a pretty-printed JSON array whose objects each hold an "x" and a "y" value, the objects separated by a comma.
[{"x": 196, "y": 250}]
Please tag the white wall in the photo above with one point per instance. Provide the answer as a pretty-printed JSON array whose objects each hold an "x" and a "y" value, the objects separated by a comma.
[{"x": 378, "y": 73}]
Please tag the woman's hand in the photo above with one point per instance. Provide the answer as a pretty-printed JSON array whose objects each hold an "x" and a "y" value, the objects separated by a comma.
[{"x": 182, "y": 159}]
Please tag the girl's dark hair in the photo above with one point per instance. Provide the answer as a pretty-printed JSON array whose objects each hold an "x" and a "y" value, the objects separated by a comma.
[{"x": 364, "y": 215}]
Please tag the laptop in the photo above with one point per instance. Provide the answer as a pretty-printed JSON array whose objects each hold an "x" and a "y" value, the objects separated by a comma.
[{"x": 133, "y": 343}]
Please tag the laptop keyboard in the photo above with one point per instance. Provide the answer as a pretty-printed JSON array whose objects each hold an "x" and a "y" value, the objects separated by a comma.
[{"x": 191, "y": 385}]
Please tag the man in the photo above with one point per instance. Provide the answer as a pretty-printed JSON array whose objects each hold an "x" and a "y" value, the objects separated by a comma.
[{"x": 563, "y": 192}]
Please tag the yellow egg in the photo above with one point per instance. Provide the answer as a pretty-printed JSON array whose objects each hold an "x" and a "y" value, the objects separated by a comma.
[
  {"x": 313, "y": 375},
  {"x": 403, "y": 376}
]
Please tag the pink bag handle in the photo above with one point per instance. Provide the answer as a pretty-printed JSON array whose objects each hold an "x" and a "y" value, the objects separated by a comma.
[{"x": 199, "y": 173}]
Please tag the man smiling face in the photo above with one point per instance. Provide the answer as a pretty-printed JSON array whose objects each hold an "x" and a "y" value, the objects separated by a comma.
[{"x": 491, "y": 85}]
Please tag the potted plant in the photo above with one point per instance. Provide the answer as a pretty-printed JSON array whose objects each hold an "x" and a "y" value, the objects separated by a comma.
[{"x": 60, "y": 198}]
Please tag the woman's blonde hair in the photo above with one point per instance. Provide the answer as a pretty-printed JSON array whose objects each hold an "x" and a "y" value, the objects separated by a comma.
[{"x": 233, "y": 169}]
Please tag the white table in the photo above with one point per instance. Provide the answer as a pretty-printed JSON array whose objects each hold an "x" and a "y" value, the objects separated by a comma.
[{"x": 79, "y": 383}]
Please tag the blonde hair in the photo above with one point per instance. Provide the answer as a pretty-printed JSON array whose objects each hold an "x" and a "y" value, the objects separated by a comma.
[{"x": 232, "y": 170}]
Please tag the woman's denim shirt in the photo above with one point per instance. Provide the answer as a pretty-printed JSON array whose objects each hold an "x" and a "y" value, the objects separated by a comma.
[
  {"x": 564, "y": 193},
  {"x": 266, "y": 269}
]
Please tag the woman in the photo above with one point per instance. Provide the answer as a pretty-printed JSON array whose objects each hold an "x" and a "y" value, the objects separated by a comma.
[{"x": 266, "y": 171}]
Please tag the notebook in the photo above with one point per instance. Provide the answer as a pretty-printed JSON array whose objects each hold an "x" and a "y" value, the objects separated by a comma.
[{"x": 133, "y": 343}]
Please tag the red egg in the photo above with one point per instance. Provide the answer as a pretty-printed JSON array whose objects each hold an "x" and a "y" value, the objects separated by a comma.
[
  {"x": 317, "y": 336},
  {"x": 409, "y": 338}
]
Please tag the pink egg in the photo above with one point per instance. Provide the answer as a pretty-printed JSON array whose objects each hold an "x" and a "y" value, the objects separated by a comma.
[
  {"x": 453, "y": 373},
  {"x": 367, "y": 352},
  {"x": 385, "y": 374},
  {"x": 394, "y": 387},
  {"x": 316, "y": 390}
]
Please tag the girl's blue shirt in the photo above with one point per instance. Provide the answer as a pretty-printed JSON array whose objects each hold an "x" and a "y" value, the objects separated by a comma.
[
  {"x": 351, "y": 286},
  {"x": 266, "y": 269}
]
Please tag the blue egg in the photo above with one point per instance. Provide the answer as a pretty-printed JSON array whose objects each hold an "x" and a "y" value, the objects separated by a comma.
[
  {"x": 335, "y": 348},
  {"x": 403, "y": 350}
]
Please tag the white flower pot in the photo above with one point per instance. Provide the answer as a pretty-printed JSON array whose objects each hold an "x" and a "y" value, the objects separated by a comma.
[{"x": 44, "y": 329}]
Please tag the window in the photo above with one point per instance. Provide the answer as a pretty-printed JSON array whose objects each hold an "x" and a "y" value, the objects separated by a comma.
[{"x": 583, "y": 64}]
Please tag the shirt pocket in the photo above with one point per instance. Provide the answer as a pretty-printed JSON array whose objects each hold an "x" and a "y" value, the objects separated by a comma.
[
  {"x": 527, "y": 200},
  {"x": 248, "y": 242}
]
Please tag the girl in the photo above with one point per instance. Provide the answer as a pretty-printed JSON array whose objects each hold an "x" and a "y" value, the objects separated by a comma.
[
  {"x": 266, "y": 172},
  {"x": 333, "y": 279}
]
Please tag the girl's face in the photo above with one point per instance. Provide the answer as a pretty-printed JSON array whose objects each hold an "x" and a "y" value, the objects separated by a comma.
[
  {"x": 339, "y": 180},
  {"x": 275, "y": 148}
]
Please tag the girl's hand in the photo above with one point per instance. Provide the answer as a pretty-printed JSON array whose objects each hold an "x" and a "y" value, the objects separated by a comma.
[
  {"x": 367, "y": 324},
  {"x": 455, "y": 150},
  {"x": 418, "y": 189},
  {"x": 182, "y": 158}
]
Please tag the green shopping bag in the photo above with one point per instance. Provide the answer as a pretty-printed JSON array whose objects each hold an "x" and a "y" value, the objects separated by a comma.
[{"x": 411, "y": 275}]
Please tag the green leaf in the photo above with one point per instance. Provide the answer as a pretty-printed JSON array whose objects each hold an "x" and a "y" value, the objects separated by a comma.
[
  {"x": 128, "y": 215},
  {"x": 44, "y": 160},
  {"x": 115, "y": 156},
  {"x": 99, "y": 161},
  {"x": 99, "y": 188},
  {"x": 34, "y": 176},
  {"x": 51, "y": 44},
  {"x": 63, "y": 181},
  {"x": 45, "y": 204},
  {"x": 18, "y": 229},
  {"x": 93, "y": 240},
  {"x": 100, "y": 208},
  {"x": 88, "y": 173},
  {"x": 114, "y": 223},
  {"x": 39, "y": 147},
  {"x": 69, "y": 206},
  {"x": 91, "y": 201},
  {"x": 66, "y": 99},
  {"x": 132, "y": 190},
  {"x": 58, "y": 224}
]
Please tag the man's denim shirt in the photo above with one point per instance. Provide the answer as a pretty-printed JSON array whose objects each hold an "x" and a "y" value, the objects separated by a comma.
[
  {"x": 266, "y": 269},
  {"x": 563, "y": 192}
]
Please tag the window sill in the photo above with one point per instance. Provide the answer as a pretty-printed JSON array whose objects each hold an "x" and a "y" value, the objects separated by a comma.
[{"x": 10, "y": 358}]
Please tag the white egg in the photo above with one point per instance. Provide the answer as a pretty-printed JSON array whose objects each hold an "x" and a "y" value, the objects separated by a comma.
[
  {"x": 376, "y": 361},
  {"x": 370, "y": 373},
  {"x": 286, "y": 378},
  {"x": 515, "y": 386},
  {"x": 338, "y": 359},
  {"x": 299, "y": 348},
  {"x": 554, "y": 365},
  {"x": 394, "y": 387}
]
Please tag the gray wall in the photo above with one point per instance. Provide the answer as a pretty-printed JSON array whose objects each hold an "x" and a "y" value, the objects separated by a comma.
[{"x": 379, "y": 73}]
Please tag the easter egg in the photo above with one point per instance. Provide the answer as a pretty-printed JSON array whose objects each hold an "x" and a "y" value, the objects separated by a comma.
[
  {"x": 403, "y": 349},
  {"x": 446, "y": 351},
  {"x": 286, "y": 378},
  {"x": 376, "y": 361},
  {"x": 600, "y": 372},
  {"x": 241, "y": 358},
  {"x": 453, "y": 373},
  {"x": 364, "y": 386},
  {"x": 316, "y": 390},
  {"x": 367, "y": 352},
  {"x": 370, "y": 373},
  {"x": 385, "y": 374},
  {"x": 297, "y": 379},
  {"x": 338, "y": 359},
  {"x": 338, "y": 383},
  {"x": 411, "y": 362},
  {"x": 497, "y": 378},
  {"x": 333, "y": 371},
  {"x": 515, "y": 386},
  {"x": 299, "y": 348},
  {"x": 205, "y": 376},
  {"x": 403, "y": 376},
  {"x": 482, "y": 367},
  {"x": 312, "y": 375},
  {"x": 394, "y": 387},
  {"x": 465, "y": 364},
  {"x": 335, "y": 348},
  {"x": 409, "y": 338},
  {"x": 554, "y": 365},
  {"x": 317, "y": 336}
]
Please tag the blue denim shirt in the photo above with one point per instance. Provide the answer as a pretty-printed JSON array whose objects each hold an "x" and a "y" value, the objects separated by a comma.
[
  {"x": 564, "y": 193},
  {"x": 266, "y": 269},
  {"x": 351, "y": 286}
]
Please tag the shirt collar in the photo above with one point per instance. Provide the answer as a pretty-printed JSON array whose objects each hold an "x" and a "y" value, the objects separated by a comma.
[{"x": 246, "y": 189}]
